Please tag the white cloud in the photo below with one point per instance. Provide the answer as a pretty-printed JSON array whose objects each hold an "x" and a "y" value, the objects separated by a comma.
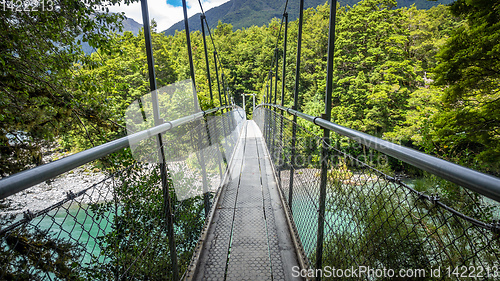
[{"x": 164, "y": 14}]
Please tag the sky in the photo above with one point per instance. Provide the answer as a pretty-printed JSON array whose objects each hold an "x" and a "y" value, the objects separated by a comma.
[{"x": 165, "y": 12}]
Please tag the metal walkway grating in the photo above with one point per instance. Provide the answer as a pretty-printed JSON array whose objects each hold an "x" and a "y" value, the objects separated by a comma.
[{"x": 248, "y": 238}]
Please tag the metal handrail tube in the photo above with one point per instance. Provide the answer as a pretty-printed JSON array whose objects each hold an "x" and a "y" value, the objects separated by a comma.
[
  {"x": 484, "y": 184},
  {"x": 25, "y": 179}
]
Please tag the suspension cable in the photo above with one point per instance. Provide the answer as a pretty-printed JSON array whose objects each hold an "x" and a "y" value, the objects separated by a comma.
[
  {"x": 275, "y": 56},
  {"x": 217, "y": 56}
]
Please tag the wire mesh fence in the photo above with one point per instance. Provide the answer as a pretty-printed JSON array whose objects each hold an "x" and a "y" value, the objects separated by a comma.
[
  {"x": 116, "y": 228},
  {"x": 379, "y": 226}
]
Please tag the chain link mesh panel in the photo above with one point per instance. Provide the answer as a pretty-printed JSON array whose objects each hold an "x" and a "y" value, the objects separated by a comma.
[
  {"x": 115, "y": 228},
  {"x": 423, "y": 229}
]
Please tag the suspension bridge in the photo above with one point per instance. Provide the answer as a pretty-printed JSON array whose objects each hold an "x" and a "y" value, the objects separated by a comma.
[{"x": 211, "y": 195}]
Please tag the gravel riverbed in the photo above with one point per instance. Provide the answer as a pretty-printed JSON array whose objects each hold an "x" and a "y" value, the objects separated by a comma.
[
  {"x": 48, "y": 193},
  {"x": 187, "y": 183}
]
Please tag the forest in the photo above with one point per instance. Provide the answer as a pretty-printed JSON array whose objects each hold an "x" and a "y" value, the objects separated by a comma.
[{"x": 427, "y": 79}]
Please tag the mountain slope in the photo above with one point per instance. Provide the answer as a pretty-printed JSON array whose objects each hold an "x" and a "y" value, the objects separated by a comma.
[
  {"x": 245, "y": 13},
  {"x": 131, "y": 25},
  {"x": 128, "y": 25},
  {"x": 420, "y": 4}
]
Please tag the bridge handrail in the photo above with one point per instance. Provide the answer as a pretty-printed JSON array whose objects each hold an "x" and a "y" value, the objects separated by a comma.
[
  {"x": 25, "y": 179},
  {"x": 484, "y": 184}
]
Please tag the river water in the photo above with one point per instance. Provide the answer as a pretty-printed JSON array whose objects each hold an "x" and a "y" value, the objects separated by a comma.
[{"x": 77, "y": 225}]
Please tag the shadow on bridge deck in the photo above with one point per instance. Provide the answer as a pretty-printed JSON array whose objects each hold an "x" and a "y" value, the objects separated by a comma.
[{"x": 248, "y": 237}]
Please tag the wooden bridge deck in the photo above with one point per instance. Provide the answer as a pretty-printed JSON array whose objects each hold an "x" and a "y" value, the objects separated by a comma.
[{"x": 248, "y": 237}]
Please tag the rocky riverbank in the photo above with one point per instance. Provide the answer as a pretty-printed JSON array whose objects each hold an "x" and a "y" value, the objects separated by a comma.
[
  {"x": 48, "y": 193},
  {"x": 187, "y": 183}
]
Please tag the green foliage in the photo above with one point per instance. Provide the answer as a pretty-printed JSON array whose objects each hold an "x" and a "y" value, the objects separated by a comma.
[
  {"x": 420, "y": 4},
  {"x": 375, "y": 73},
  {"x": 423, "y": 106},
  {"x": 468, "y": 68},
  {"x": 37, "y": 52},
  {"x": 110, "y": 81},
  {"x": 39, "y": 252},
  {"x": 459, "y": 198},
  {"x": 390, "y": 226},
  {"x": 340, "y": 173},
  {"x": 136, "y": 231},
  {"x": 375, "y": 234},
  {"x": 456, "y": 117},
  {"x": 137, "y": 247},
  {"x": 429, "y": 30}
]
